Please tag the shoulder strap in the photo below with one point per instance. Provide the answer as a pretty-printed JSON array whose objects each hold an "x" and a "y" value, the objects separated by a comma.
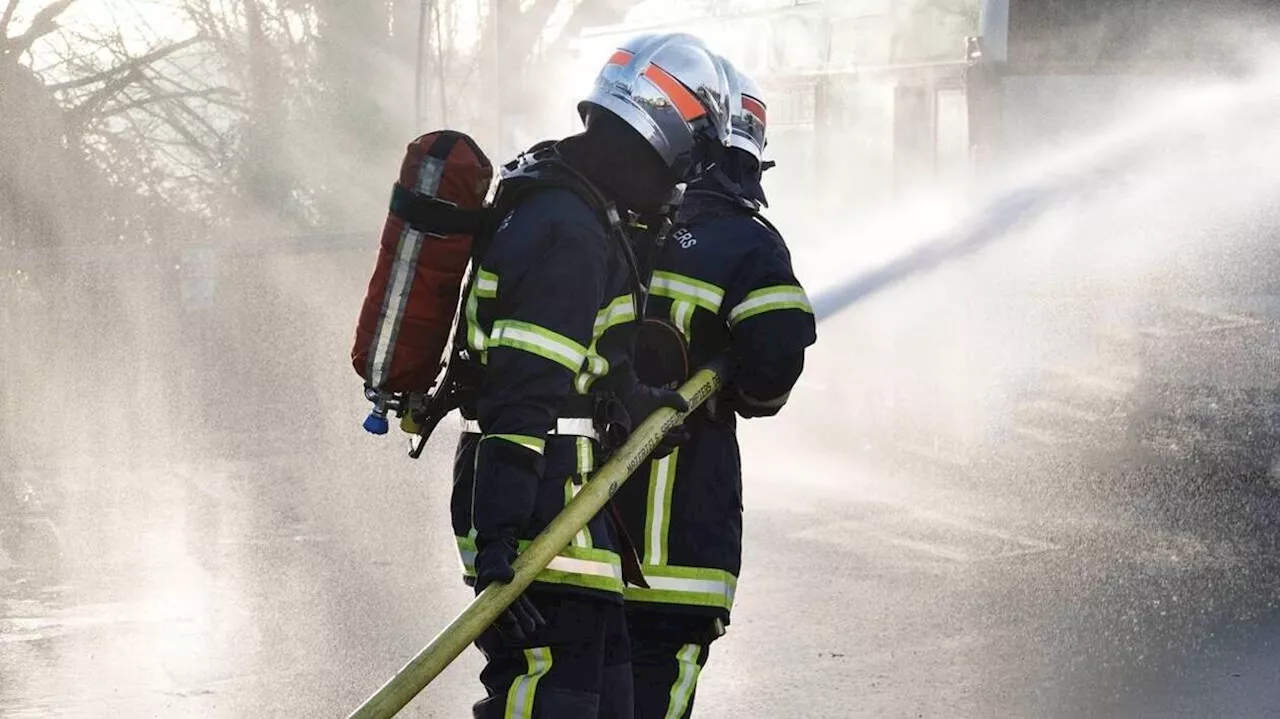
[{"x": 542, "y": 168}]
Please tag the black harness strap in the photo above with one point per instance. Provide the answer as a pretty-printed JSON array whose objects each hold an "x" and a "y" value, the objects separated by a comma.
[
  {"x": 547, "y": 170},
  {"x": 443, "y": 145},
  {"x": 435, "y": 216}
]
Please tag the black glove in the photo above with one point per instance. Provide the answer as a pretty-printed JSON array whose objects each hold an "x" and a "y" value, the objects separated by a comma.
[
  {"x": 642, "y": 400},
  {"x": 518, "y": 623}
]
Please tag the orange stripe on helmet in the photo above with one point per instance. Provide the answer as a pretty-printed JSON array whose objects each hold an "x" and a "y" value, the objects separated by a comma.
[
  {"x": 620, "y": 57},
  {"x": 755, "y": 107},
  {"x": 686, "y": 102}
]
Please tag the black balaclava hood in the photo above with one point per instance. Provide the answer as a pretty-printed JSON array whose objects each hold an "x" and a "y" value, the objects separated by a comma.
[
  {"x": 620, "y": 162},
  {"x": 737, "y": 174}
]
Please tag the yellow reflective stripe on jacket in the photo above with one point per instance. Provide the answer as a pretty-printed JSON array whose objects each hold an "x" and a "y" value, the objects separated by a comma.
[
  {"x": 682, "y": 287},
  {"x": 691, "y": 586},
  {"x": 477, "y": 340},
  {"x": 537, "y": 444},
  {"x": 486, "y": 284},
  {"x": 621, "y": 310},
  {"x": 521, "y": 694},
  {"x": 593, "y": 369},
  {"x": 682, "y": 317},
  {"x": 577, "y": 566},
  {"x": 770, "y": 299},
  {"x": 540, "y": 341},
  {"x": 662, "y": 480}
]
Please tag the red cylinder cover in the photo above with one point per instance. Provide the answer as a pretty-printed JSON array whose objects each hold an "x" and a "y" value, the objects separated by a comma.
[{"x": 407, "y": 317}]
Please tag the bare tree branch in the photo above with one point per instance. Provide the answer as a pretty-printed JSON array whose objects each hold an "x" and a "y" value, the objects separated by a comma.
[
  {"x": 136, "y": 63},
  {"x": 203, "y": 122},
  {"x": 86, "y": 109},
  {"x": 200, "y": 118},
  {"x": 203, "y": 94},
  {"x": 45, "y": 22},
  {"x": 165, "y": 114},
  {"x": 6, "y": 18}
]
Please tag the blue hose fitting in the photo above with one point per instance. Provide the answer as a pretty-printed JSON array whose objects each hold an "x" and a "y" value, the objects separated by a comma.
[{"x": 376, "y": 423}]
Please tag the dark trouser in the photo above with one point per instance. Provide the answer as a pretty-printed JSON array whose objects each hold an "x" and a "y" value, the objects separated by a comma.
[
  {"x": 577, "y": 667},
  {"x": 668, "y": 651}
]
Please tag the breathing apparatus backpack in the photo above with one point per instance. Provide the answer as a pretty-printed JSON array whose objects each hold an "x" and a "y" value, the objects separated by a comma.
[
  {"x": 437, "y": 225},
  {"x": 427, "y": 242}
]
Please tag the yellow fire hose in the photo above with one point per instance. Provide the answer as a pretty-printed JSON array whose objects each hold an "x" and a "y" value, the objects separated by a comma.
[{"x": 489, "y": 604}]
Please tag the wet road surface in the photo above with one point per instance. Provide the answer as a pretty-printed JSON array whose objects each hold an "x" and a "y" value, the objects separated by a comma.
[{"x": 292, "y": 580}]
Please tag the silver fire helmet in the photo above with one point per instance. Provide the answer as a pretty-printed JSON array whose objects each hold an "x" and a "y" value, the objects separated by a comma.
[
  {"x": 746, "y": 112},
  {"x": 673, "y": 91}
]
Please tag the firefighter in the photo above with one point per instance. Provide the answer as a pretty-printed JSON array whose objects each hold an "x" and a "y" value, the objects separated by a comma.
[
  {"x": 553, "y": 382},
  {"x": 723, "y": 284}
]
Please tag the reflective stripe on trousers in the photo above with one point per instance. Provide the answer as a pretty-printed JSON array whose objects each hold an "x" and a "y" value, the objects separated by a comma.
[
  {"x": 686, "y": 681},
  {"x": 521, "y": 694}
]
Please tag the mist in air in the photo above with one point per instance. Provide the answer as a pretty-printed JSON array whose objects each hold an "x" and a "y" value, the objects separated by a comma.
[{"x": 1036, "y": 478}]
